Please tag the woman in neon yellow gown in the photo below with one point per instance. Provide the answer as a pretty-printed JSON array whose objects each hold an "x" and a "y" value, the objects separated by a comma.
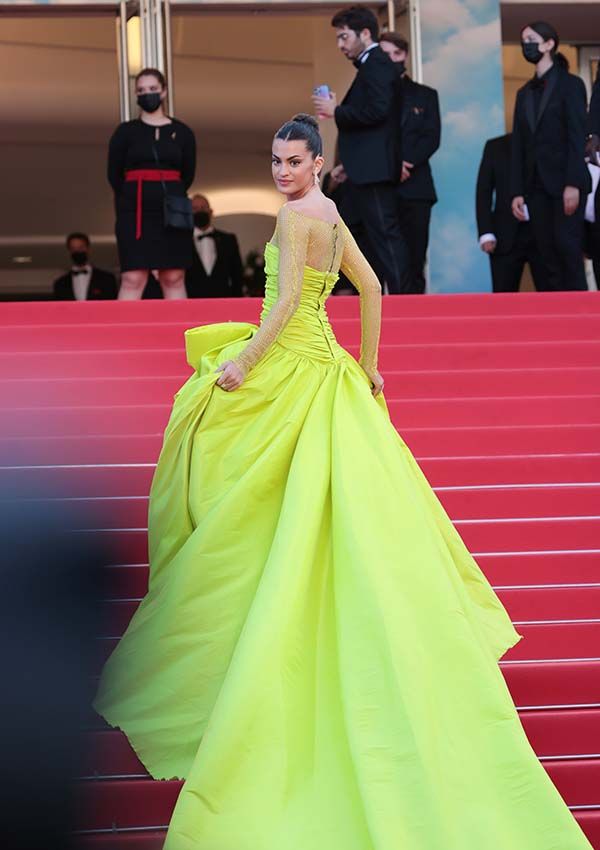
[{"x": 317, "y": 652}]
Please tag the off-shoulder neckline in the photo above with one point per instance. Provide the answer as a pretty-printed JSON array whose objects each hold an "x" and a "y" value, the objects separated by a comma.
[{"x": 312, "y": 217}]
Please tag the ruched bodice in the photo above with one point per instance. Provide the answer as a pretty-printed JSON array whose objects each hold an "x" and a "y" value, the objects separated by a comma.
[
  {"x": 302, "y": 263},
  {"x": 308, "y": 332}
]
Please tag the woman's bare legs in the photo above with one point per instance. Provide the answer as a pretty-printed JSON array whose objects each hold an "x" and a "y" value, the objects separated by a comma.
[
  {"x": 172, "y": 282},
  {"x": 132, "y": 285}
]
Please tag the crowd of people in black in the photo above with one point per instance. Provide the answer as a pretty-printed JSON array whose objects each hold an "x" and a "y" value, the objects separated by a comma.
[
  {"x": 534, "y": 198},
  {"x": 536, "y": 189}
]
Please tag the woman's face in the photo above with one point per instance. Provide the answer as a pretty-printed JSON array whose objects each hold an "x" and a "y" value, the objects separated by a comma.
[
  {"x": 532, "y": 37},
  {"x": 293, "y": 166},
  {"x": 148, "y": 84},
  {"x": 395, "y": 53}
]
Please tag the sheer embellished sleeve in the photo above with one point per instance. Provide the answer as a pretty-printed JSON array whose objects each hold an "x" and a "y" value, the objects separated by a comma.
[
  {"x": 359, "y": 272},
  {"x": 292, "y": 239}
]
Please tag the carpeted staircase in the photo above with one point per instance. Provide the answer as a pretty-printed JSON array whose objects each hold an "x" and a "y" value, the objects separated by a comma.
[{"x": 498, "y": 397}]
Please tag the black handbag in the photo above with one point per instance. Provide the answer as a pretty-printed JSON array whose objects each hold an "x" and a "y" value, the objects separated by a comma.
[{"x": 177, "y": 210}]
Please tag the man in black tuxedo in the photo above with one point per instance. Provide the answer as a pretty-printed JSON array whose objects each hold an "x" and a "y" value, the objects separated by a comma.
[
  {"x": 367, "y": 122},
  {"x": 593, "y": 141},
  {"x": 548, "y": 170},
  {"x": 509, "y": 243},
  {"x": 420, "y": 131},
  {"x": 84, "y": 282},
  {"x": 592, "y": 150},
  {"x": 216, "y": 270}
]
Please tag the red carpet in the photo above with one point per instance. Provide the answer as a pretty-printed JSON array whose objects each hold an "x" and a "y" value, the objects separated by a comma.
[{"x": 497, "y": 396}]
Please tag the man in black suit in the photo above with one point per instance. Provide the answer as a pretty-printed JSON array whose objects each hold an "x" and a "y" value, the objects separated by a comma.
[
  {"x": 508, "y": 242},
  {"x": 216, "y": 270},
  {"x": 338, "y": 189},
  {"x": 84, "y": 282},
  {"x": 420, "y": 130},
  {"x": 593, "y": 141},
  {"x": 367, "y": 122},
  {"x": 548, "y": 171},
  {"x": 592, "y": 150}
]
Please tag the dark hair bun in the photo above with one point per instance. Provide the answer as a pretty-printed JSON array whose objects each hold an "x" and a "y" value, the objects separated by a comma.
[
  {"x": 304, "y": 127},
  {"x": 305, "y": 118}
]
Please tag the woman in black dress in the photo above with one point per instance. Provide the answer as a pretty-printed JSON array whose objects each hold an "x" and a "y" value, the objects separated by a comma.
[
  {"x": 548, "y": 170},
  {"x": 140, "y": 153}
]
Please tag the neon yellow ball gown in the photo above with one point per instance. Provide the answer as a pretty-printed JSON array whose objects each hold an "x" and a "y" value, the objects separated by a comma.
[{"x": 317, "y": 652}]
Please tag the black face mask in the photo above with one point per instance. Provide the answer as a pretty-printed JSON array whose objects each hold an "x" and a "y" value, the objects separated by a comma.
[
  {"x": 149, "y": 102},
  {"x": 79, "y": 258},
  {"x": 201, "y": 220},
  {"x": 531, "y": 51},
  {"x": 401, "y": 66}
]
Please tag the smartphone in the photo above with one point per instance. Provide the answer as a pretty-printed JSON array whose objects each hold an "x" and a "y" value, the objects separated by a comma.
[{"x": 322, "y": 90}]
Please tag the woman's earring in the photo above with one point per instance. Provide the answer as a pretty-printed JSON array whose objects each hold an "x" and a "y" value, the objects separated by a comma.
[{"x": 317, "y": 181}]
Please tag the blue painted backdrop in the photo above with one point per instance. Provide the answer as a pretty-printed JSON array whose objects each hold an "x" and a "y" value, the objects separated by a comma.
[{"x": 462, "y": 59}]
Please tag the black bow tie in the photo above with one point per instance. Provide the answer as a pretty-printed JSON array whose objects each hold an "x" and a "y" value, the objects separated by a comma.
[
  {"x": 201, "y": 236},
  {"x": 357, "y": 63},
  {"x": 75, "y": 272},
  {"x": 538, "y": 83}
]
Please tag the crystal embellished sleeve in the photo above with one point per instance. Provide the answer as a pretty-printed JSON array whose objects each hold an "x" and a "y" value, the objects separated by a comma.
[
  {"x": 292, "y": 238},
  {"x": 359, "y": 272}
]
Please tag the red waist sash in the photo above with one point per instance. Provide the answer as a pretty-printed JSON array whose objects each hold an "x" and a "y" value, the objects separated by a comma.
[{"x": 139, "y": 175}]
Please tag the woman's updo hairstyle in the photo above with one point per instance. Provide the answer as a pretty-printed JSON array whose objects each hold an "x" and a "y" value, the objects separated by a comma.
[
  {"x": 302, "y": 127},
  {"x": 547, "y": 32}
]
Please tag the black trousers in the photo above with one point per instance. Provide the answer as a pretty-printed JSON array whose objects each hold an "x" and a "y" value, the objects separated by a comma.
[
  {"x": 415, "y": 217},
  {"x": 592, "y": 243},
  {"x": 377, "y": 206},
  {"x": 559, "y": 240},
  {"x": 507, "y": 268}
]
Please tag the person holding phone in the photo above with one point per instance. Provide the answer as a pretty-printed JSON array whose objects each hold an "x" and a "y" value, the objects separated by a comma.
[
  {"x": 367, "y": 120},
  {"x": 549, "y": 178},
  {"x": 149, "y": 157}
]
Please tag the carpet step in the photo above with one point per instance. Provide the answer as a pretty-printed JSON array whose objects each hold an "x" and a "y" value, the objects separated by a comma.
[
  {"x": 424, "y": 442},
  {"x": 578, "y": 500},
  {"x": 589, "y": 821},
  {"x": 556, "y": 640},
  {"x": 152, "y": 389},
  {"x": 244, "y": 309},
  {"x": 405, "y": 414},
  {"x": 124, "y": 803},
  {"x": 506, "y": 535},
  {"x": 493, "y": 440},
  {"x": 137, "y": 839},
  {"x": 135, "y": 480},
  {"x": 468, "y": 472},
  {"x": 535, "y": 568},
  {"x": 426, "y": 329},
  {"x": 547, "y": 641},
  {"x": 553, "y": 683},
  {"x": 563, "y": 733},
  {"x": 131, "y": 362},
  {"x": 502, "y": 571},
  {"x": 552, "y": 733},
  {"x": 127, "y": 803}
]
